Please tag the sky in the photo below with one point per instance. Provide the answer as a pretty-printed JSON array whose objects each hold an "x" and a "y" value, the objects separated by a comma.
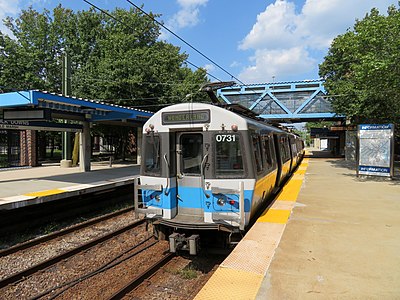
[{"x": 254, "y": 41}]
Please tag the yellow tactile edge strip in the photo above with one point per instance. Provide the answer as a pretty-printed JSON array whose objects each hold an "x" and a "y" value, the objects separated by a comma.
[
  {"x": 240, "y": 275},
  {"x": 46, "y": 193}
]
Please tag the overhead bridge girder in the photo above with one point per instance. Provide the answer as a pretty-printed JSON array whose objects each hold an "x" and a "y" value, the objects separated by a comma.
[{"x": 283, "y": 101}]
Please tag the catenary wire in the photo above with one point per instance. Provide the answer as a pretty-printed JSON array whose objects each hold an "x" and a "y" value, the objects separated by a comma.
[
  {"x": 121, "y": 22},
  {"x": 185, "y": 42}
]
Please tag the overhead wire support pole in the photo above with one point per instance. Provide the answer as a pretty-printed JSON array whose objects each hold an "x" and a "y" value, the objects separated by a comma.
[{"x": 66, "y": 91}]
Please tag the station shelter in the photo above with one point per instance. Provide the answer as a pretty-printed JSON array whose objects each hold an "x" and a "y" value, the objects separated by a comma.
[
  {"x": 330, "y": 139},
  {"x": 23, "y": 113}
]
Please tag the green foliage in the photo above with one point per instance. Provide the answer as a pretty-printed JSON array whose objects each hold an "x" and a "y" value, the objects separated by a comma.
[
  {"x": 188, "y": 272},
  {"x": 362, "y": 69},
  {"x": 322, "y": 124},
  {"x": 119, "y": 61}
]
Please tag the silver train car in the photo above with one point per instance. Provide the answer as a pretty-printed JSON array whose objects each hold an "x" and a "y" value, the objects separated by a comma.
[{"x": 206, "y": 168}]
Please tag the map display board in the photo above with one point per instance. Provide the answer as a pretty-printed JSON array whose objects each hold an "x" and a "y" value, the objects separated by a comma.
[{"x": 375, "y": 149}]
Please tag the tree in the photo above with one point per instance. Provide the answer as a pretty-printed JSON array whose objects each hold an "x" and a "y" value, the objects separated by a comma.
[
  {"x": 115, "y": 57},
  {"x": 362, "y": 69}
]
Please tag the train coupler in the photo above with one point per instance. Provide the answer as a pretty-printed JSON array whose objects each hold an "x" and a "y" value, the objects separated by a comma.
[{"x": 181, "y": 242}]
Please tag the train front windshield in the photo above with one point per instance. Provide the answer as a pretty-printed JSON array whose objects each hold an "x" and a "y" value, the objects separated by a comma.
[{"x": 229, "y": 160}]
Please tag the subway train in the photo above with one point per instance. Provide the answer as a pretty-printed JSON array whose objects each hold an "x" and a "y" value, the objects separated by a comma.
[{"x": 210, "y": 168}]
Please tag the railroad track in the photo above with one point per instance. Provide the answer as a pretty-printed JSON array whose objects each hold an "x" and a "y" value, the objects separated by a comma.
[
  {"x": 42, "y": 241},
  {"x": 109, "y": 267},
  {"x": 58, "y": 291},
  {"x": 63, "y": 232},
  {"x": 43, "y": 281},
  {"x": 135, "y": 282},
  {"x": 47, "y": 263},
  {"x": 173, "y": 277}
]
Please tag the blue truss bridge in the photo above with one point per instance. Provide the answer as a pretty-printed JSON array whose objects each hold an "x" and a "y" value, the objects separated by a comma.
[{"x": 297, "y": 101}]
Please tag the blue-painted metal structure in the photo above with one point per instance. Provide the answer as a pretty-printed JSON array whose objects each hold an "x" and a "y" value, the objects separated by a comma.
[
  {"x": 70, "y": 107},
  {"x": 297, "y": 101}
]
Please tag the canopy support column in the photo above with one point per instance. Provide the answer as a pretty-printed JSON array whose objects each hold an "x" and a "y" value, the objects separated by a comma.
[{"x": 85, "y": 148}]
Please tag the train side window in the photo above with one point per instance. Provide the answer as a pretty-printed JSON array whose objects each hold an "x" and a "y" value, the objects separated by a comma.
[
  {"x": 294, "y": 148},
  {"x": 287, "y": 146},
  {"x": 267, "y": 152},
  {"x": 283, "y": 145},
  {"x": 152, "y": 154},
  {"x": 257, "y": 152},
  {"x": 228, "y": 160},
  {"x": 271, "y": 144}
]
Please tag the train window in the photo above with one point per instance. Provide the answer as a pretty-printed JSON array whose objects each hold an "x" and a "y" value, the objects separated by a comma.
[
  {"x": 284, "y": 149},
  {"x": 287, "y": 147},
  {"x": 257, "y": 152},
  {"x": 267, "y": 152},
  {"x": 228, "y": 160},
  {"x": 294, "y": 148},
  {"x": 152, "y": 154},
  {"x": 192, "y": 153}
]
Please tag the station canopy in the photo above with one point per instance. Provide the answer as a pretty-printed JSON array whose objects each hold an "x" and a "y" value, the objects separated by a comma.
[{"x": 38, "y": 110}]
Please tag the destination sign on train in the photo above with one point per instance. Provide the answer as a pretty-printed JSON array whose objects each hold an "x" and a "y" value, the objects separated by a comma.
[{"x": 183, "y": 117}]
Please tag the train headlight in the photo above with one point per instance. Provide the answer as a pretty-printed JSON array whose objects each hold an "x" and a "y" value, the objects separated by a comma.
[
  {"x": 234, "y": 127},
  {"x": 221, "y": 201},
  {"x": 155, "y": 197}
]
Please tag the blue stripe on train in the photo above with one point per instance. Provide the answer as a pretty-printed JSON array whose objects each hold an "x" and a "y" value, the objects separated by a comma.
[{"x": 190, "y": 197}]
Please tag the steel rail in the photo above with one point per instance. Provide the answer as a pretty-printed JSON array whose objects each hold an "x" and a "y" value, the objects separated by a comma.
[
  {"x": 110, "y": 264},
  {"x": 40, "y": 266},
  {"x": 135, "y": 282},
  {"x": 62, "y": 232}
]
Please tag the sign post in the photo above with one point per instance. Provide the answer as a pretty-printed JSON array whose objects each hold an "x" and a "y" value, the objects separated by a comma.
[{"x": 375, "y": 150}]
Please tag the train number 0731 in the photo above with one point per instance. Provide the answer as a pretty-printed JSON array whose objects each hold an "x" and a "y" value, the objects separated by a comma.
[{"x": 225, "y": 138}]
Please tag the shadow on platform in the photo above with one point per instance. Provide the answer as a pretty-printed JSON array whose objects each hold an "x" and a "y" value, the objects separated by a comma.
[
  {"x": 315, "y": 153},
  {"x": 351, "y": 166}
]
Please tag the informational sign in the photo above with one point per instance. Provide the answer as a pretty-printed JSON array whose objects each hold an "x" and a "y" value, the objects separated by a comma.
[
  {"x": 39, "y": 125},
  {"x": 375, "y": 149},
  {"x": 27, "y": 114}
]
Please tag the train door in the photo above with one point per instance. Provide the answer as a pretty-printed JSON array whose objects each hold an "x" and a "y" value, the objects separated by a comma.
[{"x": 190, "y": 178}]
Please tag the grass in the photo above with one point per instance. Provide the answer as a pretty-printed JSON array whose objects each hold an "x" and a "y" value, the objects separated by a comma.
[{"x": 187, "y": 272}]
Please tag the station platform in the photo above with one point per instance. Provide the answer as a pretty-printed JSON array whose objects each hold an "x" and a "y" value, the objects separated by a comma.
[
  {"x": 28, "y": 186},
  {"x": 328, "y": 235}
]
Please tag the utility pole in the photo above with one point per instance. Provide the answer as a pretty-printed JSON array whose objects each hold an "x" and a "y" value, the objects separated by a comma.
[{"x": 66, "y": 91}]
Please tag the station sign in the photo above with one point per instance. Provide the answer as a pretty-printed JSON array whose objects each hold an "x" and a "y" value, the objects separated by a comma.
[
  {"x": 375, "y": 149},
  {"x": 27, "y": 114},
  {"x": 186, "y": 117},
  {"x": 39, "y": 125}
]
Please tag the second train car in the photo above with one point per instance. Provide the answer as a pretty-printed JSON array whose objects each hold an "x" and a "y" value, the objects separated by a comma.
[{"x": 206, "y": 168}]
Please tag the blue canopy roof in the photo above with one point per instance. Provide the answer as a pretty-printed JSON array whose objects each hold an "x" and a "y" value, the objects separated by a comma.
[{"x": 67, "y": 107}]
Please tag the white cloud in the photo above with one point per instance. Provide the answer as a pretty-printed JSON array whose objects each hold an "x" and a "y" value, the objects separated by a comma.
[
  {"x": 235, "y": 64},
  {"x": 191, "y": 3},
  {"x": 276, "y": 22},
  {"x": 279, "y": 64},
  {"x": 209, "y": 68},
  {"x": 281, "y": 32},
  {"x": 8, "y": 8},
  {"x": 188, "y": 15},
  {"x": 322, "y": 20}
]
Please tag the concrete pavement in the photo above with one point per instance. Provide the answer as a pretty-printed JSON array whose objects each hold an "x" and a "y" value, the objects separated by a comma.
[
  {"x": 342, "y": 240},
  {"x": 20, "y": 187}
]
